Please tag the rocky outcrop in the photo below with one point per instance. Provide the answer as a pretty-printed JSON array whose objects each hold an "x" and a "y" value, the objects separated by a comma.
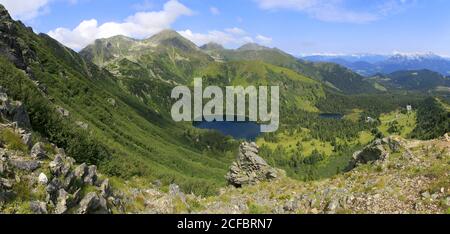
[
  {"x": 13, "y": 111},
  {"x": 47, "y": 172},
  {"x": 12, "y": 47},
  {"x": 93, "y": 204},
  {"x": 38, "y": 151},
  {"x": 249, "y": 168},
  {"x": 379, "y": 151}
]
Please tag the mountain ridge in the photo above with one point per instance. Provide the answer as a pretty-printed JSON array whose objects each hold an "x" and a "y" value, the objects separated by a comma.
[{"x": 370, "y": 64}]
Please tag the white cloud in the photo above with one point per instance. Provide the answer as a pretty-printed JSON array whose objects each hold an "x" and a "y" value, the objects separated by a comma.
[
  {"x": 337, "y": 10},
  {"x": 214, "y": 10},
  {"x": 233, "y": 36},
  {"x": 264, "y": 40},
  {"x": 236, "y": 31},
  {"x": 25, "y": 10},
  {"x": 139, "y": 25}
]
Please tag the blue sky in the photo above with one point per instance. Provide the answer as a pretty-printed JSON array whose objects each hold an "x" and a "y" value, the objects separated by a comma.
[{"x": 296, "y": 26}]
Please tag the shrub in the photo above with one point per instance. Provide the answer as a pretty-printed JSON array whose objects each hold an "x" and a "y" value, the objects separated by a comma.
[{"x": 12, "y": 141}]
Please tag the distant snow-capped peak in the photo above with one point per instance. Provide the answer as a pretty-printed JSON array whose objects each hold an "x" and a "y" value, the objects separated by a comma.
[{"x": 415, "y": 56}]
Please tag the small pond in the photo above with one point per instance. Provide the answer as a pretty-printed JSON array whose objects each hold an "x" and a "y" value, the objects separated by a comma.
[{"x": 331, "y": 116}]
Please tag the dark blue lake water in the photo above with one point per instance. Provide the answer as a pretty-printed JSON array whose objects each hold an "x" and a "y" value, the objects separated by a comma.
[
  {"x": 331, "y": 116},
  {"x": 239, "y": 130}
]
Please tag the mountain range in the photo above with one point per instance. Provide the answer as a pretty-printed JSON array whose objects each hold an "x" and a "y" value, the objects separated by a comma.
[
  {"x": 109, "y": 107},
  {"x": 371, "y": 64}
]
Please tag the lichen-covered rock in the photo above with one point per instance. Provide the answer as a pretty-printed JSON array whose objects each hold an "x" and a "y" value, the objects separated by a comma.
[
  {"x": 379, "y": 150},
  {"x": 52, "y": 189},
  {"x": 38, "y": 207},
  {"x": 61, "y": 203},
  {"x": 43, "y": 179},
  {"x": 63, "y": 112},
  {"x": 26, "y": 165},
  {"x": 93, "y": 204},
  {"x": 105, "y": 189},
  {"x": 91, "y": 176},
  {"x": 80, "y": 171},
  {"x": 249, "y": 168},
  {"x": 38, "y": 151},
  {"x": 61, "y": 165}
]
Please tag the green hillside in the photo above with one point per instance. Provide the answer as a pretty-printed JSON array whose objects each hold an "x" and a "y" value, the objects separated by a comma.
[
  {"x": 334, "y": 76},
  {"x": 125, "y": 136}
]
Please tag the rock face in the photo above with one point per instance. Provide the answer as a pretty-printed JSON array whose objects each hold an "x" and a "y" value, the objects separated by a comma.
[
  {"x": 377, "y": 151},
  {"x": 12, "y": 47},
  {"x": 249, "y": 168}
]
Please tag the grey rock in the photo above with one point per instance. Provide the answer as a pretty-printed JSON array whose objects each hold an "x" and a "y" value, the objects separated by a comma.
[
  {"x": 5, "y": 183},
  {"x": 38, "y": 207},
  {"x": 175, "y": 192},
  {"x": 93, "y": 204},
  {"x": 105, "y": 188},
  {"x": 91, "y": 176},
  {"x": 61, "y": 203},
  {"x": 56, "y": 165},
  {"x": 52, "y": 189},
  {"x": 81, "y": 171},
  {"x": 376, "y": 151},
  {"x": 61, "y": 165},
  {"x": 249, "y": 168},
  {"x": 27, "y": 139},
  {"x": 43, "y": 179},
  {"x": 333, "y": 205},
  {"x": 82, "y": 125},
  {"x": 76, "y": 198},
  {"x": 14, "y": 111},
  {"x": 63, "y": 112},
  {"x": 291, "y": 206},
  {"x": 38, "y": 151},
  {"x": 426, "y": 195},
  {"x": 26, "y": 165},
  {"x": 69, "y": 180}
]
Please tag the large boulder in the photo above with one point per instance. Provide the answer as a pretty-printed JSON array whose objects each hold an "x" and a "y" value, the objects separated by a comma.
[
  {"x": 377, "y": 151},
  {"x": 93, "y": 204},
  {"x": 249, "y": 168}
]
